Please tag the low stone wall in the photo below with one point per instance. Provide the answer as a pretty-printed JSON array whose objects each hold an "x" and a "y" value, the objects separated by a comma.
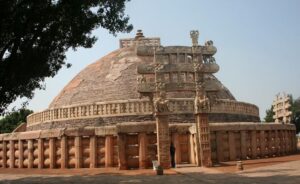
[
  {"x": 118, "y": 111},
  {"x": 134, "y": 145}
]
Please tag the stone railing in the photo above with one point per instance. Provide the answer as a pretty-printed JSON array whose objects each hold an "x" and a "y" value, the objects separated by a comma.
[
  {"x": 133, "y": 107},
  {"x": 134, "y": 145},
  {"x": 60, "y": 148},
  {"x": 236, "y": 141},
  {"x": 116, "y": 108},
  {"x": 235, "y": 107}
]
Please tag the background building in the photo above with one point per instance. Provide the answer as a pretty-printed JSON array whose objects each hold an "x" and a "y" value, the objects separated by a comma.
[{"x": 281, "y": 108}]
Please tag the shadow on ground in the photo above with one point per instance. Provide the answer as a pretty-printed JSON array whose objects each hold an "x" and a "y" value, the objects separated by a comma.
[
  {"x": 267, "y": 173},
  {"x": 189, "y": 178}
]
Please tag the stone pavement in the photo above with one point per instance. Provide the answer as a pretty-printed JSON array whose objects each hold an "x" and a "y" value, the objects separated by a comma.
[{"x": 287, "y": 173}]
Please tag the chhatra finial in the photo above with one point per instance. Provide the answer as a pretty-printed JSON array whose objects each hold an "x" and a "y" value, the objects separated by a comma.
[
  {"x": 194, "y": 35},
  {"x": 139, "y": 34}
]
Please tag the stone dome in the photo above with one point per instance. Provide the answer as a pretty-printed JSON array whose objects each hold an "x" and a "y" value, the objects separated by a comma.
[
  {"x": 110, "y": 78},
  {"x": 113, "y": 77},
  {"x": 107, "y": 91}
]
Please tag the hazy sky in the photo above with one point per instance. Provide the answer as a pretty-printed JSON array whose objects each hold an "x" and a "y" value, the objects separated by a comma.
[{"x": 258, "y": 44}]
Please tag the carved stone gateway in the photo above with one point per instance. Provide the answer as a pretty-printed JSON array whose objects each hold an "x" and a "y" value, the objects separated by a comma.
[
  {"x": 168, "y": 73},
  {"x": 203, "y": 103},
  {"x": 204, "y": 99}
]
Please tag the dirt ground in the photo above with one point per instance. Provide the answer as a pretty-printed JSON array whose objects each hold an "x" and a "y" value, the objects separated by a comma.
[
  {"x": 230, "y": 167},
  {"x": 284, "y": 169}
]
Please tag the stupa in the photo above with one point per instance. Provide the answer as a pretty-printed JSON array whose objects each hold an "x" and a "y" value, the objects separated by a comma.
[{"x": 105, "y": 116}]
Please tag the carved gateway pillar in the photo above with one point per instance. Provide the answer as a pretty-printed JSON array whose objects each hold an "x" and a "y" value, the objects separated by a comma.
[
  {"x": 204, "y": 64},
  {"x": 160, "y": 104},
  {"x": 162, "y": 130},
  {"x": 203, "y": 132}
]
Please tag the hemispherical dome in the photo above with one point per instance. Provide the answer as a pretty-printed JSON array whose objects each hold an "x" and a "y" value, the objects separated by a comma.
[
  {"x": 107, "y": 91},
  {"x": 110, "y": 78},
  {"x": 113, "y": 77}
]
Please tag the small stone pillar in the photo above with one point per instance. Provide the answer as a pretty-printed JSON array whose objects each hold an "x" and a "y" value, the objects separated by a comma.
[
  {"x": 109, "y": 151},
  {"x": 64, "y": 152},
  {"x": 143, "y": 145},
  {"x": 277, "y": 142},
  {"x": 232, "y": 145},
  {"x": 290, "y": 141},
  {"x": 122, "y": 151},
  {"x": 11, "y": 154},
  {"x": 282, "y": 142},
  {"x": 30, "y": 153},
  {"x": 41, "y": 153},
  {"x": 21, "y": 153},
  {"x": 271, "y": 143},
  {"x": 285, "y": 141},
  {"x": 239, "y": 165},
  {"x": 253, "y": 144},
  {"x": 4, "y": 154},
  {"x": 78, "y": 152},
  {"x": 294, "y": 143},
  {"x": 262, "y": 143},
  {"x": 52, "y": 153},
  {"x": 243, "y": 145},
  {"x": 93, "y": 154}
]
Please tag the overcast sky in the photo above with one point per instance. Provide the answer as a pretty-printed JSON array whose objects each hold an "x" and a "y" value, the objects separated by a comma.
[{"x": 258, "y": 44}]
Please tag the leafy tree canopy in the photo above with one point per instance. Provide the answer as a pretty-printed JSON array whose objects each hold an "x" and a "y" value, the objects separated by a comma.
[
  {"x": 35, "y": 35},
  {"x": 13, "y": 119},
  {"x": 269, "y": 115},
  {"x": 295, "y": 108}
]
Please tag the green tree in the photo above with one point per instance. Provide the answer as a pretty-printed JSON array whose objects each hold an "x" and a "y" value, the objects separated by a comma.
[
  {"x": 295, "y": 108},
  {"x": 269, "y": 115},
  {"x": 35, "y": 35},
  {"x": 13, "y": 119}
]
